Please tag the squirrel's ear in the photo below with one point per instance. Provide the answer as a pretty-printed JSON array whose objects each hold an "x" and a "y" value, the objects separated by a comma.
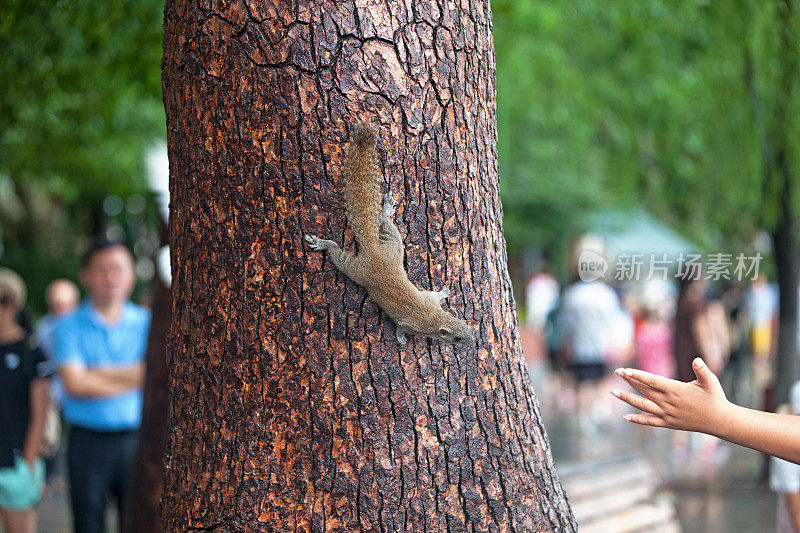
[{"x": 444, "y": 331}]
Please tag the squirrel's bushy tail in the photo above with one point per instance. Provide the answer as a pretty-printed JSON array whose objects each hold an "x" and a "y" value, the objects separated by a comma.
[{"x": 361, "y": 192}]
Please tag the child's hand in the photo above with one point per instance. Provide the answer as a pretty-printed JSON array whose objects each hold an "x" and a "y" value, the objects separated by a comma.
[{"x": 696, "y": 406}]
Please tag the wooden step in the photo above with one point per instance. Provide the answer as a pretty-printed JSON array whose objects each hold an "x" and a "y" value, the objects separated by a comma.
[
  {"x": 618, "y": 495},
  {"x": 650, "y": 517}
]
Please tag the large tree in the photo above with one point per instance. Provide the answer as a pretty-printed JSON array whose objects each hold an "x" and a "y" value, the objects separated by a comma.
[{"x": 292, "y": 407}]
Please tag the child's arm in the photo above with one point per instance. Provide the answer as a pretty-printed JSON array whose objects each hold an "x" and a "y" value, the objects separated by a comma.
[{"x": 701, "y": 406}]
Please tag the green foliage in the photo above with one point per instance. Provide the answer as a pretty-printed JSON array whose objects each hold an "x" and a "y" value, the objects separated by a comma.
[
  {"x": 80, "y": 103},
  {"x": 613, "y": 103}
]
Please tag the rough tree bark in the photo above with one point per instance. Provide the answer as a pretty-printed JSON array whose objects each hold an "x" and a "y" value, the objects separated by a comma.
[{"x": 291, "y": 405}]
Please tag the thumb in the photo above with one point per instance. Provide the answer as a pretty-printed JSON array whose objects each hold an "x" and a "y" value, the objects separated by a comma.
[{"x": 705, "y": 377}]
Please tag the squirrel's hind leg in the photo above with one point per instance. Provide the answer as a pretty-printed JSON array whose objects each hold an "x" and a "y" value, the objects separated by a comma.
[
  {"x": 348, "y": 264},
  {"x": 442, "y": 294},
  {"x": 436, "y": 297},
  {"x": 388, "y": 234}
]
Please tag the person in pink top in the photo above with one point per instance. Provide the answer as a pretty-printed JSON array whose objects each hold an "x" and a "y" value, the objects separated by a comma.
[{"x": 653, "y": 344}]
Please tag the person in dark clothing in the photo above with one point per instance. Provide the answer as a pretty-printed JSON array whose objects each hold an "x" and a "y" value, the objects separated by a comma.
[
  {"x": 24, "y": 396},
  {"x": 691, "y": 304},
  {"x": 700, "y": 329}
]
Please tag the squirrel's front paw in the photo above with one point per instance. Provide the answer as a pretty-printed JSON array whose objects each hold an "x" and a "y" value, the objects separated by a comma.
[
  {"x": 401, "y": 336},
  {"x": 388, "y": 206},
  {"x": 315, "y": 243}
]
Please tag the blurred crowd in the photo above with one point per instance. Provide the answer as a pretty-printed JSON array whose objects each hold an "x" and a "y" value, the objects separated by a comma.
[
  {"x": 582, "y": 330},
  {"x": 81, "y": 363}
]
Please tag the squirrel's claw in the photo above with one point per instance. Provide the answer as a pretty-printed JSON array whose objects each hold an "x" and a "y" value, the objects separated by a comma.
[
  {"x": 388, "y": 206},
  {"x": 401, "y": 336},
  {"x": 315, "y": 243}
]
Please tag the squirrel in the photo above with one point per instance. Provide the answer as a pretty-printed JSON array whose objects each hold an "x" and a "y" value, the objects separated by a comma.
[{"x": 378, "y": 267}]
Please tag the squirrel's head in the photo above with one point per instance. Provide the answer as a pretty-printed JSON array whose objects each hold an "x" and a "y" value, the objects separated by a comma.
[{"x": 453, "y": 330}]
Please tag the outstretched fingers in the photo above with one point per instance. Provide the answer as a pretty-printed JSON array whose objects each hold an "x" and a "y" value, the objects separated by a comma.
[
  {"x": 646, "y": 420},
  {"x": 639, "y": 402},
  {"x": 646, "y": 379},
  {"x": 654, "y": 381},
  {"x": 639, "y": 386}
]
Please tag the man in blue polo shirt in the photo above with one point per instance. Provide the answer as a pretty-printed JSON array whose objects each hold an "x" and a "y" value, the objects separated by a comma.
[{"x": 99, "y": 349}]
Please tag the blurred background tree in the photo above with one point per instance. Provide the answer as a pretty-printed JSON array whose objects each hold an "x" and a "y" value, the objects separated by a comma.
[
  {"x": 80, "y": 105},
  {"x": 688, "y": 108},
  {"x": 620, "y": 103}
]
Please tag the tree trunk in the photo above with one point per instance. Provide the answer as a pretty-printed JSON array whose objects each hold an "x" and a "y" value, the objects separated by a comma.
[
  {"x": 142, "y": 513},
  {"x": 787, "y": 262},
  {"x": 784, "y": 236},
  {"x": 292, "y": 407}
]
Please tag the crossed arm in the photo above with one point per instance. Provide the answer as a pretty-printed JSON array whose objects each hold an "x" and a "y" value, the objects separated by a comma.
[
  {"x": 701, "y": 406},
  {"x": 83, "y": 382}
]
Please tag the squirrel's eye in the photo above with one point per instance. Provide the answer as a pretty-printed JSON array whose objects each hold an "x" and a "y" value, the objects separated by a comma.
[{"x": 457, "y": 339}]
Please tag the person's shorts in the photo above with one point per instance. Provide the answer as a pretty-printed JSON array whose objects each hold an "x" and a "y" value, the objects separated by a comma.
[
  {"x": 587, "y": 372},
  {"x": 21, "y": 488}
]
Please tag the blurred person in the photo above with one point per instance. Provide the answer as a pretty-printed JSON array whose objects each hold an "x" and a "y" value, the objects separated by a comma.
[
  {"x": 23, "y": 404},
  {"x": 784, "y": 477},
  {"x": 100, "y": 354},
  {"x": 593, "y": 330},
  {"x": 733, "y": 298},
  {"x": 653, "y": 340},
  {"x": 700, "y": 327},
  {"x": 761, "y": 300},
  {"x": 541, "y": 297},
  {"x": 62, "y": 296}
]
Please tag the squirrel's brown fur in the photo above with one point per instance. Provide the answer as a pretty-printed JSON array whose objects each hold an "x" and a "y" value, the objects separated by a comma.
[
  {"x": 361, "y": 191},
  {"x": 379, "y": 264}
]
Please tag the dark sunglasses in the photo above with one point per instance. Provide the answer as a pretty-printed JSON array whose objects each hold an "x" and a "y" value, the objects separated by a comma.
[{"x": 5, "y": 301}]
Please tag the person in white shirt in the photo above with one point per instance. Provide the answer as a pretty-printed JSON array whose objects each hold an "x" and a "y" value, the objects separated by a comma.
[
  {"x": 592, "y": 327},
  {"x": 541, "y": 297},
  {"x": 784, "y": 479},
  {"x": 593, "y": 330}
]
